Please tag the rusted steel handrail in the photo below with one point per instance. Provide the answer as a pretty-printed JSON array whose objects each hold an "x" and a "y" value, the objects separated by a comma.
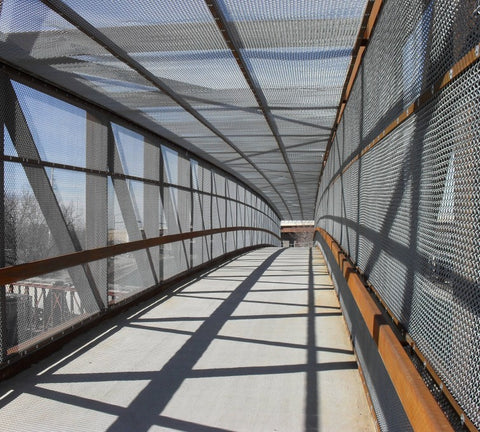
[
  {"x": 36, "y": 268},
  {"x": 422, "y": 410}
]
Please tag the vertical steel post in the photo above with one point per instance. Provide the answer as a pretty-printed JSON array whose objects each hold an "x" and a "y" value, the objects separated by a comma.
[
  {"x": 3, "y": 300},
  {"x": 211, "y": 211},
  {"x": 151, "y": 197},
  {"x": 192, "y": 213},
  {"x": 96, "y": 197},
  {"x": 163, "y": 220}
]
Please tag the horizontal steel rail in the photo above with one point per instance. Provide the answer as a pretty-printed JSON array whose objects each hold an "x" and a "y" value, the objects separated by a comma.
[
  {"x": 20, "y": 272},
  {"x": 113, "y": 175}
]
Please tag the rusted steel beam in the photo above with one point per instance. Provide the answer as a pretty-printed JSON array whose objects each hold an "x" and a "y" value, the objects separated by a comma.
[
  {"x": 355, "y": 68},
  {"x": 372, "y": 18},
  {"x": 420, "y": 406},
  {"x": 467, "y": 422},
  {"x": 36, "y": 268},
  {"x": 298, "y": 229}
]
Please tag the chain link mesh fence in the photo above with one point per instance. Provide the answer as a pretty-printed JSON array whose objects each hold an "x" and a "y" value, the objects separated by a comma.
[{"x": 407, "y": 211}]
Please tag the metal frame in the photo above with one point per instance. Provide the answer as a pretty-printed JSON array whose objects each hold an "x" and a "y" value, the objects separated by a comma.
[
  {"x": 103, "y": 162},
  {"x": 20, "y": 272},
  {"x": 85, "y": 27},
  {"x": 229, "y": 36},
  {"x": 65, "y": 95},
  {"x": 19, "y": 130}
]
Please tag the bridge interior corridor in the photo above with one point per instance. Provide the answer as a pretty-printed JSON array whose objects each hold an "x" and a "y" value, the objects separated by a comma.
[{"x": 257, "y": 344}]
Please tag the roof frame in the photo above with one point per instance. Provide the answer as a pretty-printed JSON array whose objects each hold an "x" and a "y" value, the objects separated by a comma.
[
  {"x": 229, "y": 36},
  {"x": 84, "y": 26}
]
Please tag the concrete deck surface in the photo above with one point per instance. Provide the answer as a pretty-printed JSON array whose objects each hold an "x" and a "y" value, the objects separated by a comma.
[{"x": 258, "y": 344}]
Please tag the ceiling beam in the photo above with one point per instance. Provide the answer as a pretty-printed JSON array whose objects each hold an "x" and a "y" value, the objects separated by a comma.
[
  {"x": 138, "y": 38},
  {"x": 230, "y": 35},
  {"x": 119, "y": 53}
]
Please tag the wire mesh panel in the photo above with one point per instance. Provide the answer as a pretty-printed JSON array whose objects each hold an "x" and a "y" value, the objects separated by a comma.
[
  {"x": 231, "y": 237},
  {"x": 38, "y": 226},
  {"x": 138, "y": 270},
  {"x": 176, "y": 256},
  {"x": 206, "y": 176},
  {"x": 64, "y": 143},
  {"x": 231, "y": 215},
  {"x": 184, "y": 171},
  {"x": 248, "y": 218},
  {"x": 25, "y": 220},
  {"x": 38, "y": 307},
  {"x": 125, "y": 275},
  {"x": 77, "y": 179},
  {"x": 170, "y": 165},
  {"x": 200, "y": 223},
  {"x": 241, "y": 222},
  {"x": 153, "y": 212},
  {"x": 131, "y": 150},
  {"x": 406, "y": 209},
  {"x": 218, "y": 185},
  {"x": 218, "y": 221}
]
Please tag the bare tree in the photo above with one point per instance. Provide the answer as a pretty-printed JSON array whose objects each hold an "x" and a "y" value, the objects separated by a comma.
[{"x": 27, "y": 236}]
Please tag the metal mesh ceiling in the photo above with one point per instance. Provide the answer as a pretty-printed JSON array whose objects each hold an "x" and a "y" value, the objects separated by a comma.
[{"x": 253, "y": 84}]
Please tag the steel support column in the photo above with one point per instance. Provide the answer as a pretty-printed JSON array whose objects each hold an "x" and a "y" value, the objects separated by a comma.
[
  {"x": 151, "y": 202},
  {"x": 128, "y": 213},
  {"x": 97, "y": 198},
  {"x": 3, "y": 300}
]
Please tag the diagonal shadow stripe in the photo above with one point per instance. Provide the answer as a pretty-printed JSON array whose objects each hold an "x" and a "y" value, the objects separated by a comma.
[
  {"x": 78, "y": 401},
  {"x": 274, "y": 370},
  {"x": 143, "y": 412},
  {"x": 196, "y": 373},
  {"x": 186, "y": 426},
  {"x": 248, "y": 340}
]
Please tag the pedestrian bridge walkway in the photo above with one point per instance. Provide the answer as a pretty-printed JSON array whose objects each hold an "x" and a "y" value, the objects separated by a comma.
[{"x": 258, "y": 344}]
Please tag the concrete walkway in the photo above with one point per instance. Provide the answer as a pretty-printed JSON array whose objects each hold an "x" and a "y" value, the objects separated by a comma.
[{"x": 256, "y": 345}]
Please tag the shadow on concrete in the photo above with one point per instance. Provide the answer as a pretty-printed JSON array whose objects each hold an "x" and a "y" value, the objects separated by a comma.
[{"x": 145, "y": 409}]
